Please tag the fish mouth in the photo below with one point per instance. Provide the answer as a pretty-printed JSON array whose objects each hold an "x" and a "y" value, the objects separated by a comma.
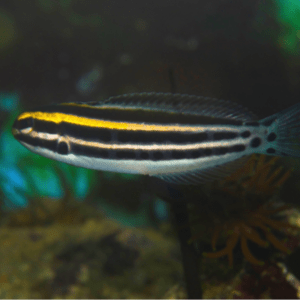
[{"x": 15, "y": 132}]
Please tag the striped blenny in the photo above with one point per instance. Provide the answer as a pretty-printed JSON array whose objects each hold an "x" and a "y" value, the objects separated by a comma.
[{"x": 178, "y": 138}]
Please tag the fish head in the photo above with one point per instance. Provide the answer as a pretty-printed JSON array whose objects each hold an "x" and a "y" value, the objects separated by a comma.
[{"x": 39, "y": 136}]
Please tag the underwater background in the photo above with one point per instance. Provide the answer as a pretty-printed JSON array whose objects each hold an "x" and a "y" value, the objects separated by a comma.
[{"x": 69, "y": 232}]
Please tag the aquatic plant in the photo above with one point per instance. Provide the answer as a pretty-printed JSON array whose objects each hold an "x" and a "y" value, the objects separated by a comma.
[{"x": 246, "y": 230}]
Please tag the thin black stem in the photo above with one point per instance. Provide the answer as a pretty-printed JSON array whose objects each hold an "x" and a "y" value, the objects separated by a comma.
[{"x": 190, "y": 258}]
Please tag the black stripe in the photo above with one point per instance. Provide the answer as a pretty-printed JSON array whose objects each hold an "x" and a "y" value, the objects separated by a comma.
[
  {"x": 125, "y": 154},
  {"x": 36, "y": 142},
  {"x": 103, "y": 135},
  {"x": 154, "y": 137},
  {"x": 23, "y": 124},
  {"x": 90, "y": 134},
  {"x": 221, "y": 150},
  {"x": 238, "y": 148},
  {"x": 253, "y": 123},
  {"x": 154, "y": 155},
  {"x": 72, "y": 130},
  {"x": 224, "y": 135},
  {"x": 46, "y": 127},
  {"x": 91, "y": 151},
  {"x": 137, "y": 115},
  {"x": 129, "y": 154}
]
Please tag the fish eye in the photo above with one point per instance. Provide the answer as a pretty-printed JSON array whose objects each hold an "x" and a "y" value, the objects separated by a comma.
[{"x": 24, "y": 125}]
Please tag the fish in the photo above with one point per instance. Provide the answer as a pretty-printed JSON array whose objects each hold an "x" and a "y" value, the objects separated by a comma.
[{"x": 179, "y": 138}]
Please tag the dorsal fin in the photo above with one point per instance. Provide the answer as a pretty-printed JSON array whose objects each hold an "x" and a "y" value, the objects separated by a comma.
[{"x": 179, "y": 103}]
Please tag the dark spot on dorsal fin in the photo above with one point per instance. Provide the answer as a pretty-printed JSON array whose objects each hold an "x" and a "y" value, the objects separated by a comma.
[
  {"x": 272, "y": 137},
  {"x": 255, "y": 142}
]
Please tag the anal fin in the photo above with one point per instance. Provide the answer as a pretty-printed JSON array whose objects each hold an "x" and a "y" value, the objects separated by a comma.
[{"x": 202, "y": 176}]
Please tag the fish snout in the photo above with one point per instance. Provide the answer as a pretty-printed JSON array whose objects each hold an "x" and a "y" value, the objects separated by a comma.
[{"x": 22, "y": 125}]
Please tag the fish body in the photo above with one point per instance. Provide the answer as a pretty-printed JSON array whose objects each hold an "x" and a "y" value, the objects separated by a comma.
[{"x": 178, "y": 138}]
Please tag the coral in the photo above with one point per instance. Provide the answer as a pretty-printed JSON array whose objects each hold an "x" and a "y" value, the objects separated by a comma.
[
  {"x": 250, "y": 213},
  {"x": 247, "y": 230}
]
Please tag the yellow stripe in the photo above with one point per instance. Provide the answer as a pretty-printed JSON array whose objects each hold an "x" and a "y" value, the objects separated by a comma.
[{"x": 60, "y": 117}]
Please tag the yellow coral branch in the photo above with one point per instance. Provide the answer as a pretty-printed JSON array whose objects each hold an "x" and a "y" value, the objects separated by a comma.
[
  {"x": 283, "y": 179},
  {"x": 215, "y": 237},
  {"x": 258, "y": 223},
  {"x": 248, "y": 255},
  {"x": 231, "y": 243},
  {"x": 276, "y": 210},
  {"x": 276, "y": 172},
  {"x": 276, "y": 243},
  {"x": 252, "y": 235},
  {"x": 276, "y": 224},
  {"x": 216, "y": 254}
]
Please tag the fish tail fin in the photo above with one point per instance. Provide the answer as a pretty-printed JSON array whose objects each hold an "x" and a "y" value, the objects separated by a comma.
[{"x": 284, "y": 132}]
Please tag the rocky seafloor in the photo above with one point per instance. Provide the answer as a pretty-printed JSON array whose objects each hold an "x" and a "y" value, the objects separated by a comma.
[{"x": 85, "y": 255}]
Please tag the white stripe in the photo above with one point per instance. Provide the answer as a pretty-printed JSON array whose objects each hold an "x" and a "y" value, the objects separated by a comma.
[{"x": 202, "y": 145}]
